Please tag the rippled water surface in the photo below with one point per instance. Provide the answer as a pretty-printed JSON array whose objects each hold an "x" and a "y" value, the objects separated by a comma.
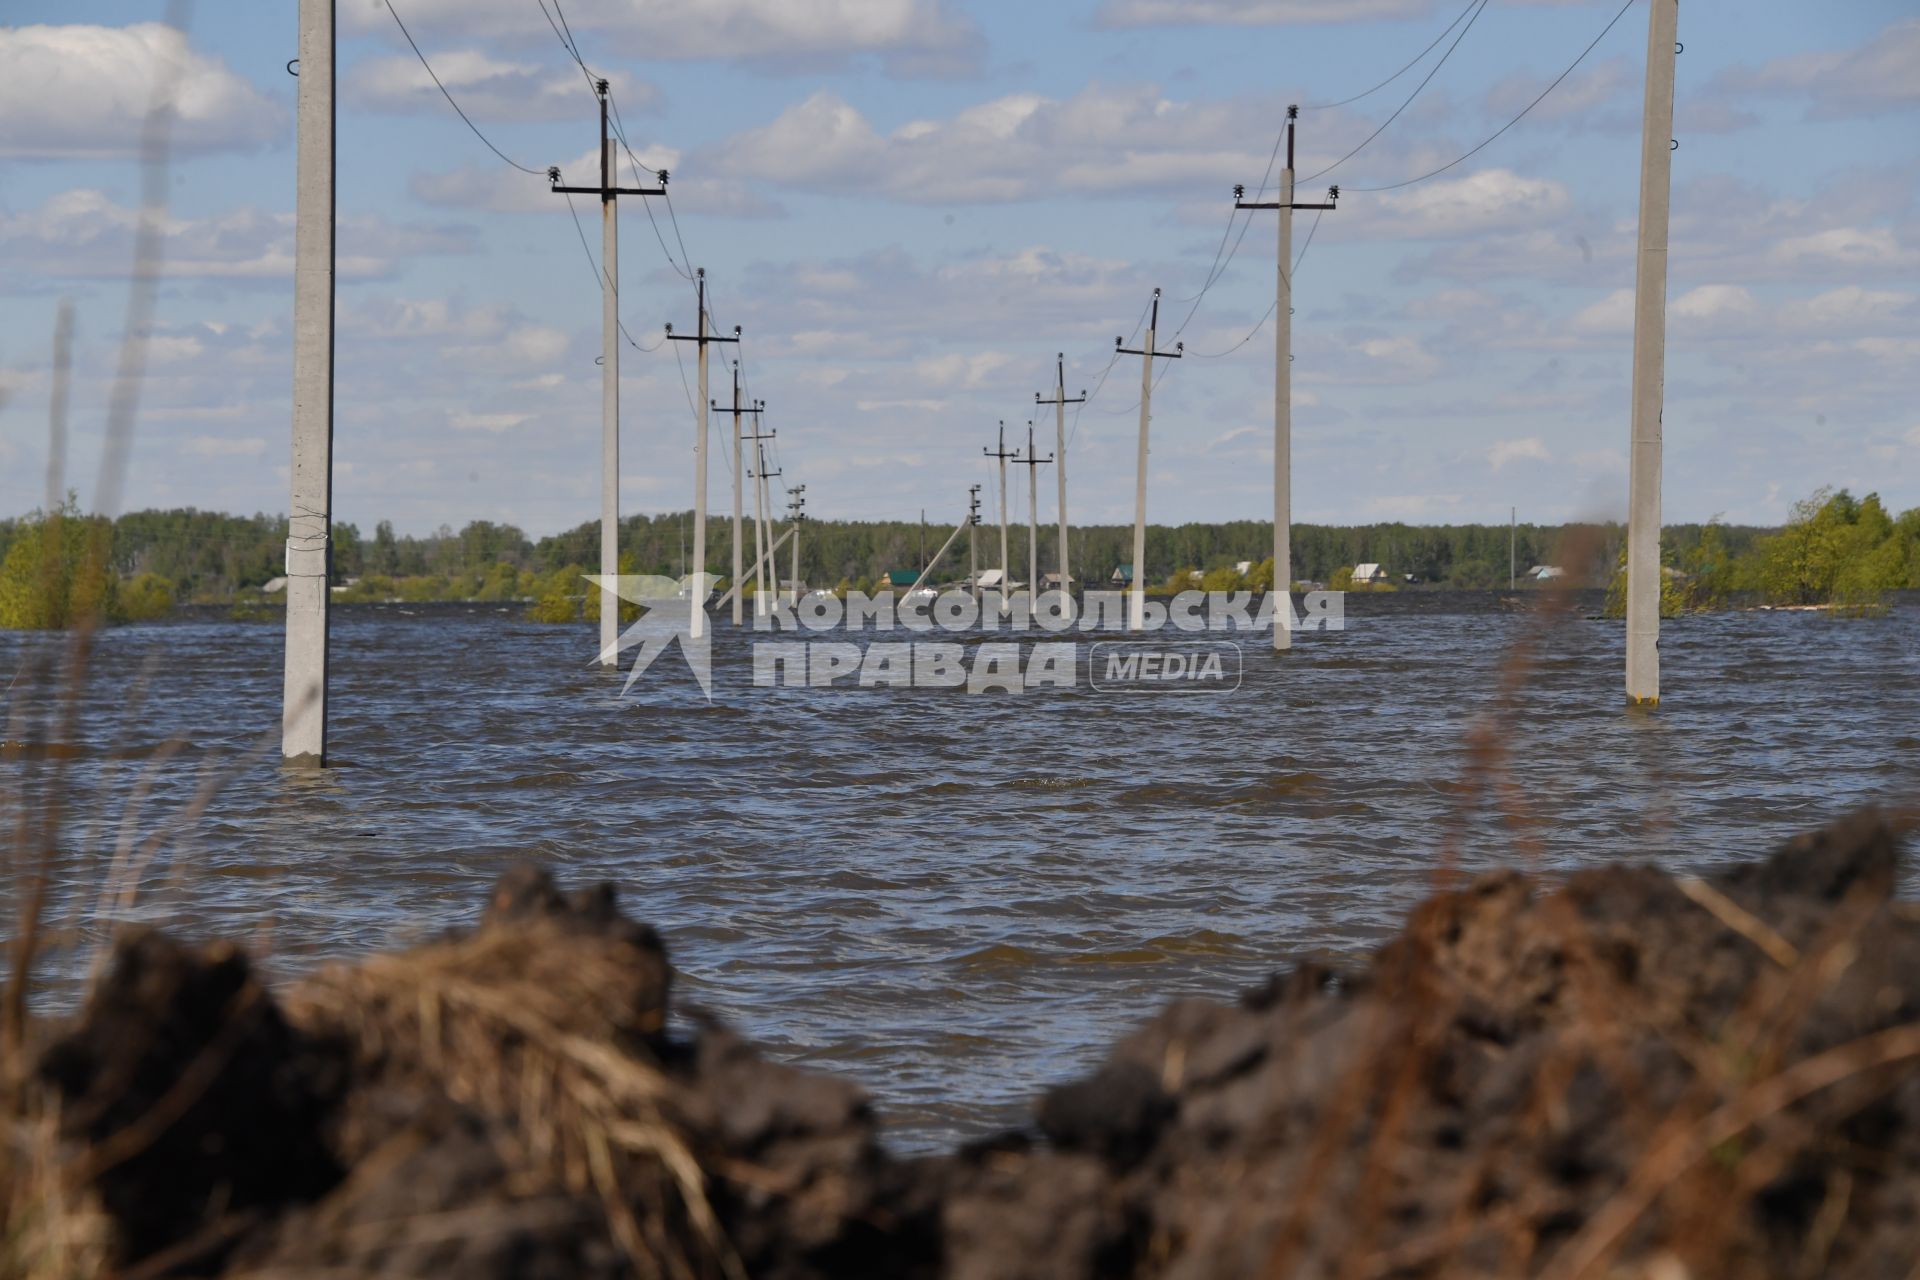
[{"x": 959, "y": 899}]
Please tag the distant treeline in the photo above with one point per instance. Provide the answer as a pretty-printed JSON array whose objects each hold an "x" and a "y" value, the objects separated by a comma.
[
  {"x": 1834, "y": 546},
  {"x": 210, "y": 557}
]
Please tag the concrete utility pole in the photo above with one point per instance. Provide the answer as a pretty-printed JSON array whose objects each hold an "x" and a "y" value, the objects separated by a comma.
[
  {"x": 1006, "y": 593},
  {"x": 1650, "y": 360},
  {"x": 701, "y": 337},
  {"x": 796, "y": 504},
  {"x": 1283, "y": 382},
  {"x": 973, "y": 539},
  {"x": 1513, "y": 536},
  {"x": 763, "y": 507},
  {"x": 303, "y": 720},
  {"x": 609, "y": 192},
  {"x": 1060, "y": 403},
  {"x": 739, "y": 410},
  {"x": 1137, "y": 597},
  {"x": 1033, "y": 462}
]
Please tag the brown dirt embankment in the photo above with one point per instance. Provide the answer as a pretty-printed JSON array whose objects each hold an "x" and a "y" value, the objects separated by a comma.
[{"x": 1621, "y": 1073}]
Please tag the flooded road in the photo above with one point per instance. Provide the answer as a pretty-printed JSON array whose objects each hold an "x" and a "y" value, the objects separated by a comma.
[{"x": 956, "y": 899}]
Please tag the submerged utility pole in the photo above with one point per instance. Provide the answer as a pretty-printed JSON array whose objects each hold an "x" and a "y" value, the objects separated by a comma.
[
  {"x": 1137, "y": 597},
  {"x": 796, "y": 512},
  {"x": 1060, "y": 403},
  {"x": 762, "y": 532},
  {"x": 1283, "y": 382},
  {"x": 609, "y": 192},
  {"x": 1033, "y": 462},
  {"x": 698, "y": 621},
  {"x": 1006, "y": 595},
  {"x": 973, "y": 539},
  {"x": 1650, "y": 360},
  {"x": 1513, "y": 538},
  {"x": 739, "y": 410},
  {"x": 303, "y": 714}
]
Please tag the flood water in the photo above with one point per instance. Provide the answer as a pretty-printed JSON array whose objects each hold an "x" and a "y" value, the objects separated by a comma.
[{"x": 958, "y": 899}]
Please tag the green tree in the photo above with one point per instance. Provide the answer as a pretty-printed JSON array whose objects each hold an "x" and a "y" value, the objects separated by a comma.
[
  {"x": 56, "y": 572},
  {"x": 1834, "y": 550}
]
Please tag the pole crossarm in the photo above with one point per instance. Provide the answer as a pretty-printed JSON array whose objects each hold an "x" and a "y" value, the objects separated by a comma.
[
  {"x": 604, "y": 192},
  {"x": 702, "y": 338},
  {"x": 1153, "y": 325}
]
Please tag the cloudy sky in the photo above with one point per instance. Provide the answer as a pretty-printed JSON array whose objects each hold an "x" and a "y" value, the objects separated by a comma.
[{"x": 911, "y": 205}]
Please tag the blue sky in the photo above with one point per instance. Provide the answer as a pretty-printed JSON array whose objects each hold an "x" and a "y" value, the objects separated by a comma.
[{"x": 911, "y": 205}]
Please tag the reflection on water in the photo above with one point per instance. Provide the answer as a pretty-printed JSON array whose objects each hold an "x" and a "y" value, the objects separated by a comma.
[{"x": 954, "y": 898}]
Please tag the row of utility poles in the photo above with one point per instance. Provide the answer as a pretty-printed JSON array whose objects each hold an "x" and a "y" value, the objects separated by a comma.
[
  {"x": 1649, "y": 361},
  {"x": 309, "y": 550}
]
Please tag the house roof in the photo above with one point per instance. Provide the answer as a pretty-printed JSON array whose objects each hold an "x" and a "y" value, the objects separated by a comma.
[
  {"x": 1123, "y": 571},
  {"x": 1367, "y": 570},
  {"x": 902, "y": 577}
]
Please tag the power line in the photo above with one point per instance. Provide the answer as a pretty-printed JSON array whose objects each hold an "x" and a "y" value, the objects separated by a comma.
[
  {"x": 1482, "y": 8},
  {"x": 1158, "y": 379},
  {"x": 449, "y": 97},
  {"x": 1395, "y": 186},
  {"x": 571, "y": 42},
  {"x": 680, "y": 268},
  {"x": 1273, "y": 306},
  {"x": 593, "y": 265},
  {"x": 1219, "y": 268},
  {"x": 563, "y": 32},
  {"x": 566, "y": 42},
  {"x": 1327, "y": 106}
]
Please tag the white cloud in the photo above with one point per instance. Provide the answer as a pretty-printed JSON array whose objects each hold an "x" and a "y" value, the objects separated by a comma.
[
  {"x": 1714, "y": 302},
  {"x": 1531, "y": 448},
  {"x": 1490, "y": 200},
  {"x": 1251, "y": 13},
  {"x": 486, "y": 87},
  {"x": 955, "y": 369},
  {"x": 497, "y": 189},
  {"x": 86, "y": 90},
  {"x": 1021, "y": 146},
  {"x": 388, "y": 319},
  {"x": 493, "y": 423},
  {"x": 911, "y": 35},
  {"x": 1401, "y": 358},
  {"x": 1877, "y": 76},
  {"x": 535, "y": 344},
  {"x": 1857, "y": 247},
  {"x": 224, "y": 447},
  {"x": 83, "y": 234},
  {"x": 1263, "y": 13},
  {"x": 1853, "y": 305},
  {"x": 1578, "y": 95}
]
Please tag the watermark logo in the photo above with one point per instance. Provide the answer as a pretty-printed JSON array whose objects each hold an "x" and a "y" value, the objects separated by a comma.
[
  {"x": 670, "y": 611},
  {"x": 1192, "y": 666},
  {"x": 986, "y": 642}
]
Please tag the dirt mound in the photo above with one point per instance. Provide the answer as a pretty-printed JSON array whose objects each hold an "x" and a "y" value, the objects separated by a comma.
[{"x": 1621, "y": 1073}]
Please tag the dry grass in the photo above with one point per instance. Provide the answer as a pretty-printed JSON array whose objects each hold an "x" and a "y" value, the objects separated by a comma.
[{"x": 537, "y": 1029}]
